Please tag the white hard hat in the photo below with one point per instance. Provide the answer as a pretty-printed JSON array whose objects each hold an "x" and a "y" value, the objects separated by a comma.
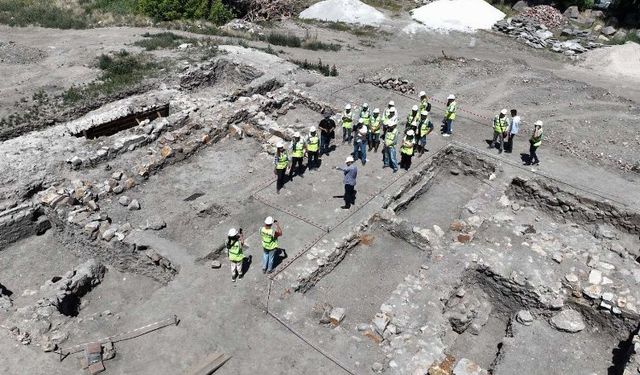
[
  {"x": 296, "y": 135},
  {"x": 392, "y": 109},
  {"x": 349, "y": 159},
  {"x": 365, "y": 105},
  {"x": 280, "y": 145},
  {"x": 363, "y": 130},
  {"x": 410, "y": 133},
  {"x": 348, "y": 106},
  {"x": 268, "y": 220},
  {"x": 503, "y": 112},
  {"x": 538, "y": 123},
  {"x": 424, "y": 113},
  {"x": 377, "y": 110},
  {"x": 414, "y": 108},
  {"x": 360, "y": 120},
  {"x": 422, "y": 93},
  {"x": 451, "y": 96},
  {"x": 313, "y": 129},
  {"x": 233, "y": 232},
  {"x": 392, "y": 103}
]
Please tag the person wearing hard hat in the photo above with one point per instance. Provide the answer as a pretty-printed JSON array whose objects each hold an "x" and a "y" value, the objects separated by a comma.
[
  {"x": 269, "y": 233},
  {"x": 449, "y": 115},
  {"x": 499, "y": 129},
  {"x": 360, "y": 142},
  {"x": 390, "y": 105},
  {"x": 390, "y": 113},
  {"x": 425, "y": 126},
  {"x": 350, "y": 174},
  {"x": 512, "y": 131},
  {"x": 389, "y": 156},
  {"x": 412, "y": 120},
  {"x": 327, "y": 132},
  {"x": 313, "y": 147},
  {"x": 297, "y": 150},
  {"x": 234, "y": 244},
  {"x": 535, "y": 142},
  {"x": 281, "y": 163},
  {"x": 406, "y": 150},
  {"x": 375, "y": 129},
  {"x": 424, "y": 103},
  {"x": 347, "y": 124},
  {"x": 365, "y": 115}
]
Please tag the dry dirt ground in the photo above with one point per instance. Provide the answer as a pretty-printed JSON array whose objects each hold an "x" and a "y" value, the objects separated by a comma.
[{"x": 467, "y": 260}]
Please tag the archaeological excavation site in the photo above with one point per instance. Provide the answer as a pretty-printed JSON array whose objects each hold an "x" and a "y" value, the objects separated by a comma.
[{"x": 129, "y": 151}]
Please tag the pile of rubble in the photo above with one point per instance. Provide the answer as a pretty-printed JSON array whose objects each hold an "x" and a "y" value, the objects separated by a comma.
[
  {"x": 537, "y": 35},
  {"x": 270, "y": 10},
  {"x": 544, "y": 14},
  {"x": 397, "y": 84}
]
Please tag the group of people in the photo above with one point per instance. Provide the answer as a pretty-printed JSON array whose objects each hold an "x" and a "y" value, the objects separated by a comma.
[{"x": 506, "y": 129}]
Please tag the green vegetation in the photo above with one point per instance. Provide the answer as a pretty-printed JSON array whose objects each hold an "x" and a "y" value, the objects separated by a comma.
[
  {"x": 631, "y": 37},
  {"x": 162, "y": 40},
  {"x": 39, "y": 13},
  {"x": 169, "y": 10},
  {"x": 120, "y": 71},
  {"x": 290, "y": 40},
  {"x": 326, "y": 70},
  {"x": 116, "y": 7}
]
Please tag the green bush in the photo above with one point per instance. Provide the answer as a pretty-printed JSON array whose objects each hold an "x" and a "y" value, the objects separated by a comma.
[
  {"x": 326, "y": 70},
  {"x": 170, "y": 10},
  {"x": 118, "y": 7},
  {"x": 162, "y": 40},
  {"x": 278, "y": 39},
  {"x": 40, "y": 13}
]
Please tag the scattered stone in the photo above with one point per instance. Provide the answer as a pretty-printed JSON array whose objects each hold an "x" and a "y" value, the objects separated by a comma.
[
  {"x": 336, "y": 315},
  {"x": 134, "y": 205},
  {"x": 608, "y": 31},
  {"x": 155, "y": 224},
  {"x": 438, "y": 230},
  {"x": 363, "y": 327},
  {"x": 592, "y": 291},
  {"x": 524, "y": 317},
  {"x": 118, "y": 189},
  {"x": 467, "y": 367},
  {"x": 108, "y": 234},
  {"x": 454, "y": 171},
  {"x": 377, "y": 367},
  {"x": 568, "y": 321},
  {"x": 216, "y": 264},
  {"x": 595, "y": 277},
  {"x": 124, "y": 200},
  {"x": 607, "y": 296},
  {"x": 117, "y": 175},
  {"x": 557, "y": 258},
  {"x": 380, "y": 322},
  {"x": 572, "y": 278}
]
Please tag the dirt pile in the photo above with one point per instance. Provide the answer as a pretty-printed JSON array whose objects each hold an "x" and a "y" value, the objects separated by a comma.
[{"x": 622, "y": 60}]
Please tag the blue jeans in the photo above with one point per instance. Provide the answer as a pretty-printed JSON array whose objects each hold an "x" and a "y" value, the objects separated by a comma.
[
  {"x": 324, "y": 143},
  {"x": 423, "y": 141},
  {"x": 346, "y": 135},
  {"x": 448, "y": 126},
  {"x": 360, "y": 151},
  {"x": 389, "y": 158},
  {"x": 267, "y": 259}
]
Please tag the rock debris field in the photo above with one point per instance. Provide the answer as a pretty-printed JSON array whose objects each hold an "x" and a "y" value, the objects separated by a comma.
[{"x": 112, "y": 224}]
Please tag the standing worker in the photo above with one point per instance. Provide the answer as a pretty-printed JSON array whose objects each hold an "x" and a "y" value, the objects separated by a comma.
[
  {"x": 313, "y": 146},
  {"x": 350, "y": 174},
  {"x": 297, "y": 149},
  {"x": 499, "y": 129},
  {"x": 390, "y": 114},
  {"x": 449, "y": 115},
  {"x": 375, "y": 129},
  {"x": 425, "y": 126},
  {"x": 391, "y": 104},
  {"x": 389, "y": 157},
  {"x": 234, "y": 244},
  {"x": 281, "y": 163},
  {"x": 327, "y": 132},
  {"x": 406, "y": 150},
  {"x": 365, "y": 115},
  {"x": 269, "y": 237},
  {"x": 512, "y": 131},
  {"x": 347, "y": 124},
  {"x": 424, "y": 102},
  {"x": 535, "y": 141},
  {"x": 360, "y": 144},
  {"x": 412, "y": 120}
]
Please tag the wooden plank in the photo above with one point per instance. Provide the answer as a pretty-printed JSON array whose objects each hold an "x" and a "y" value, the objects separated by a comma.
[{"x": 208, "y": 365}]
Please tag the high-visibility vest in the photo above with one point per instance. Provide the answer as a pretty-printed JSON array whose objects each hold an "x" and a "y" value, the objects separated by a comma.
[
  {"x": 536, "y": 141},
  {"x": 235, "y": 252},
  {"x": 313, "y": 144},
  {"x": 411, "y": 118},
  {"x": 499, "y": 124},
  {"x": 269, "y": 240},
  {"x": 375, "y": 126},
  {"x": 366, "y": 119},
  {"x": 297, "y": 149},
  {"x": 451, "y": 111},
  {"x": 347, "y": 120},
  {"x": 424, "y": 105},
  {"x": 283, "y": 160},
  {"x": 424, "y": 127},
  {"x": 390, "y": 137},
  {"x": 407, "y": 146}
]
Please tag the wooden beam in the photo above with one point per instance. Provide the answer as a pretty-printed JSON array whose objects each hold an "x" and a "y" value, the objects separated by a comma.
[{"x": 208, "y": 365}]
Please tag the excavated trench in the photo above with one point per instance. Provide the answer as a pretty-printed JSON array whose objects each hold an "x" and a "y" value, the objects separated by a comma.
[{"x": 126, "y": 122}]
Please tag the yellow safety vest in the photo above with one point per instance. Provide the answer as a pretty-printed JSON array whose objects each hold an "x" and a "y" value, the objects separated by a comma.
[
  {"x": 347, "y": 120},
  {"x": 312, "y": 146},
  {"x": 500, "y": 124},
  {"x": 536, "y": 141},
  {"x": 366, "y": 119},
  {"x": 298, "y": 149},
  {"x": 424, "y": 127},
  {"x": 407, "y": 147},
  {"x": 389, "y": 137},
  {"x": 423, "y": 105},
  {"x": 411, "y": 118},
  {"x": 269, "y": 240},
  {"x": 283, "y": 160},
  {"x": 375, "y": 126},
  {"x": 235, "y": 252},
  {"x": 451, "y": 111}
]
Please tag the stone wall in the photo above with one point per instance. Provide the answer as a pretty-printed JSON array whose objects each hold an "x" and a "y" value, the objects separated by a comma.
[{"x": 21, "y": 221}]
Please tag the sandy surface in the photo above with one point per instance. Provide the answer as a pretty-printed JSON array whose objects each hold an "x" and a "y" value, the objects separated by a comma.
[{"x": 616, "y": 61}]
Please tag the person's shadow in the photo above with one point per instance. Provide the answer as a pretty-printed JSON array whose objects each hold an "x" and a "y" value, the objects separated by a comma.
[
  {"x": 526, "y": 159},
  {"x": 246, "y": 264},
  {"x": 279, "y": 256}
]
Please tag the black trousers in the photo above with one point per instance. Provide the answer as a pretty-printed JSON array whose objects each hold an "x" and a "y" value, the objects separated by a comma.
[
  {"x": 405, "y": 161},
  {"x": 349, "y": 195},
  {"x": 282, "y": 176},
  {"x": 533, "y": 156},
  {"x": 296, "y": 166},
  {"x": 509, "y": 145},
  {"x": 312, "y": 162}
]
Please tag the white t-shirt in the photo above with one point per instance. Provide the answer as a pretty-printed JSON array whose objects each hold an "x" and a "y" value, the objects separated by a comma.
[{"x": 515, "y": 125}]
